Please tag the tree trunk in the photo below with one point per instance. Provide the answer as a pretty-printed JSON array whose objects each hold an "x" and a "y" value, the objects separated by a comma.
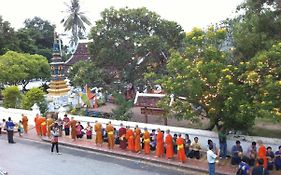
[{"x": 213, "y": 122}]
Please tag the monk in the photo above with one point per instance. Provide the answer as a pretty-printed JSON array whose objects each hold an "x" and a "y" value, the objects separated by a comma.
[
  {"x": 146, "y": 140},
  {"x": 24, "y": 123},
  {"x": 262, "y": 153},
  {"x": 110, "y": 135},
  {"x": 169, "y": 145},
  {"x": 159, "y": 143},
  {"x": 122, "y": 137},
  {"x": 181, "y": 152},
  {"x": 43, "y": 127},
  {"x": 72, "y": 124},
  {"x": 137, "y": 139},
  {"x": 130, "y": 138},
  {"x": 50, "y": 123},
  {"x": 98, "y": 130},
  {"x": 37, "y": 125}
]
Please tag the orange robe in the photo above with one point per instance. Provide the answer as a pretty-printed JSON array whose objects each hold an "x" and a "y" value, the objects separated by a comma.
[
  {"x": 50, "y": 123},
  {"x": 146, "y": 138},
  {"x": 37, "y": 125},
  {"x": 137, "y": 140},
  {"x": 25, "y": 123},
  {"x": 262, "y": 155},
  {"x": 43, "y": 129},
  {"x": 98, "y": 130},
  {"x": 169, "y": 146},
  {"x": 110, "y": 134},
  {"x": 159, "y": 144},
  {"x": 181, "y": 152},
  {"x": 72, "y": 124},
  {"x": 130, "y": 138}
]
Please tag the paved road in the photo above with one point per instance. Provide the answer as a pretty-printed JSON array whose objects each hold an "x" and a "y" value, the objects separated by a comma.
[{"x": 31, "y": 158}]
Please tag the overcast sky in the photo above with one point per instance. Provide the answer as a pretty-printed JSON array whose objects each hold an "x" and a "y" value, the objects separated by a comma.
[{"x": 187, "y": 13}]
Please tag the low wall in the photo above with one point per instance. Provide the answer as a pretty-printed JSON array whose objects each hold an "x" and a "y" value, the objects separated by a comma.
[{"x": 203, "y": 135}]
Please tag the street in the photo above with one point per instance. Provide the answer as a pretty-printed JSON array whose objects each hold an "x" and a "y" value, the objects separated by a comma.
[{"x": 34, "y": 158}]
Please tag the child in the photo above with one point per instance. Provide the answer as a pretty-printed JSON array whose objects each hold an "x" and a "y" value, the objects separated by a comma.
[
  {"x": 89, "y": 130},
  {"x": 20, "y": 128}
]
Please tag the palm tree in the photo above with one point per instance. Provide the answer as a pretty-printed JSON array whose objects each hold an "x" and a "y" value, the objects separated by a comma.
[{"x": 75, "y": 21}]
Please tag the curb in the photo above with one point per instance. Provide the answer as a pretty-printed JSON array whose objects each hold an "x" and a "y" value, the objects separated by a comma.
[{"x": 176, "y": 165}]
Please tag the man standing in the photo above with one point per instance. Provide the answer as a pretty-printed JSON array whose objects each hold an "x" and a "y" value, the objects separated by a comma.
[
  {"x": 50, "y": 123},
  {"x": 122, "y": 137},
  {"x": 137, "y": 139},
  {"x": 98, "y": 130},
  {"x": 159, "y": 143},
  {"x": 181, "y": 153},
  {"x": 146, "y": 140},
  {"x": 110, "y": 134},
  {"x": 37, "y": 125},
  {"x": 66, "y": 124},
  {"x": 222, "y": 142},
  {"x": 130, "y": 138},
  {"x": 169, "y": 145},
  {"x": 24, "y": 123},
  {"x": 211, "y": 157},
  {"x": 10, "y": 130},
  {"x": 72, "y": 124}
]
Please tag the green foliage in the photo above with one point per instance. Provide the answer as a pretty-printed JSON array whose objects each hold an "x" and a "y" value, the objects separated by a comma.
[
  {"x": 35, "y": 95},
  {"x": 85, "y": 72},
  {"x": 11, "y": 96},
  {"x": 16, "y": 68},
  {"x": 7, "y": 37},
  {"x": 122, "y": 37},
  {"x": 122, "y": 112}
]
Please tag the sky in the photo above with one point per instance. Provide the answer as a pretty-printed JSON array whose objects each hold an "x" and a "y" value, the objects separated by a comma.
[{"x": 187, "y": 13}]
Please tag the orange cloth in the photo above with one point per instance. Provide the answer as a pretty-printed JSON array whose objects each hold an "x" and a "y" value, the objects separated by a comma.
[
  {"x": 137, "y": 140},
  {"x": 50, "y": 123},
  {"x": 146, "y": 138},
  {"x": 130, "y": 138},
  {"x": 262, "y": 155},
  {"x": 72, "y": 124},
  {"x": 25, "y": 123},
  {"x": 169, "y": 146},
  {"x": 181, "y": 152},
  {"x": 98, "y": 130},
  {"x": 44, "y": 128},
  {"x": 37, "y": 125},
  {"x": 110, "y": 135},
  {"x": 159, "y": 144}
]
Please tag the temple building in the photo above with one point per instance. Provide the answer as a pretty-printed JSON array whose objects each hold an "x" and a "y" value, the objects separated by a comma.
[{"x": 58, "y": 84}]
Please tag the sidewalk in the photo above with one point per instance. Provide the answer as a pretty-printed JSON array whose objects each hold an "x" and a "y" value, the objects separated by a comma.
[{"x": 223, "y": 167}]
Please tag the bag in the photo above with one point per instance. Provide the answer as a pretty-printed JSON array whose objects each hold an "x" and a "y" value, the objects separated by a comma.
[{"x": 239, "y": 172}]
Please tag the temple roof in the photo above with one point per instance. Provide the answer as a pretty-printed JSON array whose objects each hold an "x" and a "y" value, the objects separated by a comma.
[{"x": 80, "y": 54}]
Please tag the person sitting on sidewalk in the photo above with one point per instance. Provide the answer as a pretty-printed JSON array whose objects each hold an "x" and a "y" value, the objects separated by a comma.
[
  {"x": 79, "y": 131},
  {"x": 270, "y": 158},
  {"x": 244, "y": 168},
  {"x": 260, "y": 170},
  {"x": 89, "y": 131},
  {"x": 252, "y": 154},
  {"x": 237, "y": 153},
  {"x": 187, "y": 143},
  {"x": 278, "y": 159},
  {"x": 195, "y": 149}
]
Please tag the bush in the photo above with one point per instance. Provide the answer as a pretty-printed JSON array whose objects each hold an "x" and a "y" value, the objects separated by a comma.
[
  {"x": 122, "y": 112},
  {"x": 35, "y": 95},
  {"x": 12, "y": 97}
]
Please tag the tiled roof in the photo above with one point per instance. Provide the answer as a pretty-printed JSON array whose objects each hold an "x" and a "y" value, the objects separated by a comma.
[{"x": 80, "y": 54}]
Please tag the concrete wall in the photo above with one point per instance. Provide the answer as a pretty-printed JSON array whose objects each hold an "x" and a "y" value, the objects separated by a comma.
[{"x": 203, "y": 135}]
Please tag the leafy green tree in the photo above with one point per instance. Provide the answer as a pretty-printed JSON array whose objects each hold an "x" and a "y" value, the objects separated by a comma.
[
  {"x": 75, "y": 22},
  {"x": 12, "y": 97},
  {"x": 129, "y": 42},
  {"x": 122, "y": 112},
  {"x": 18, "y": 68},
  {"x": 34, "y": 95},
  {"x": 85, "y": 72},
  {"x": 7, "y": 37}
]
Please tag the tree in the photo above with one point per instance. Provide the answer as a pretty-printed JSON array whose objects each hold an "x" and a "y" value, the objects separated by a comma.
[
  {"x": 11, "y": 96},
  {"x": 7, "y": 37},
  {"x": 129, "y": 42},
  {"x": 122, "y": 112},
  {"x": 85, "y": 72},
  {"x": 34, "y": 95},
  {"x": 18, "y": 68},
  {"x": 75, "y": 21},
  {"x": 205, "y": 84}
]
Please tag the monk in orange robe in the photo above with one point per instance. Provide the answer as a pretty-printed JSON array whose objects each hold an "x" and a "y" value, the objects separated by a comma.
[
  {"x": 181, "y": 152},
  {"x": 146, "y": 140},
  {"x": 159, "y": 143},
  {"x": 43, "y": 126},
  {"x": 24, "y": 123},
  {"x": 137, "y": 139},
  {"x": 37, "y": 125},
  {"x": 72, "y": 124},
  {"x": 130, "y": 138},
  {"x": 262, "y": 153},
  {"x": 50, "y": 123},
  {"x": 110, "y": 135},
  {"x": 169, "y": 145},
  {"x": 98, "y": 130}
]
